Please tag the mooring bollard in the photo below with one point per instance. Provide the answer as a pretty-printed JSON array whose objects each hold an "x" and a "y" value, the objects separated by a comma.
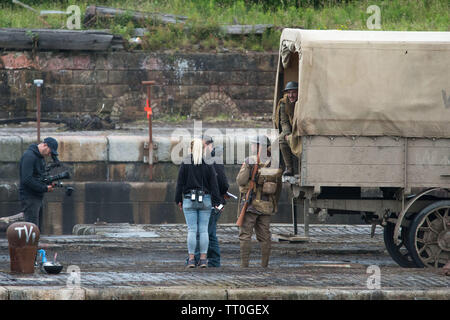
[{"x": 23, "y": 239}]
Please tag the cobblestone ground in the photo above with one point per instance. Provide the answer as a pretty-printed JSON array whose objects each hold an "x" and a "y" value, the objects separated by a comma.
[{"x": 336, "y": 256}]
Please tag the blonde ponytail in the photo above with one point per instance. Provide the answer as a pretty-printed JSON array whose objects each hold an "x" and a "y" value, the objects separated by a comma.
[{"x": 197, "y": 151}]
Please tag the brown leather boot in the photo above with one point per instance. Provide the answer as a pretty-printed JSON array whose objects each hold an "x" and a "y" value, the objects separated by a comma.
[
  {"x": 287, "y": 158},
  {"x": 245, "y": 253},
  {"x": 265, "y": 253}
]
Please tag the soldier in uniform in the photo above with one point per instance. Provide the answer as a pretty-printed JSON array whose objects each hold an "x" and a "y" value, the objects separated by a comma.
[
  {"x": 284, "y": 114},
  {"x": 264, "y": 202}
]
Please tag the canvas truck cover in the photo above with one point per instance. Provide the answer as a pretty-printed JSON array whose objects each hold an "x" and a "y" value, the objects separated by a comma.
[{"x": 369, "y": 83}]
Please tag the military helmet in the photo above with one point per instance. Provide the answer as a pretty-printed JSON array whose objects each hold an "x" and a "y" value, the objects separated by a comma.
[{"x": 291, "y": 85}]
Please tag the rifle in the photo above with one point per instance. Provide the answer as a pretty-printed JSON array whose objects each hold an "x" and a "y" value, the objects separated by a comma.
[{"x": 249, "y": 195}]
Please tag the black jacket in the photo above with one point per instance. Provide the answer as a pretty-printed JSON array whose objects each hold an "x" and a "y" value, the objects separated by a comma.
[
  {"x": 32, "y": 170},
  {"x": 196, "y": 177},
  {"x": 221, "y": 178},
  {"x": 220, "y": 170}
]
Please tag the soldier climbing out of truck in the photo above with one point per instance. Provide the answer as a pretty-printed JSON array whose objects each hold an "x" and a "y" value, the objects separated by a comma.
[{"x": 283, "y": 122}]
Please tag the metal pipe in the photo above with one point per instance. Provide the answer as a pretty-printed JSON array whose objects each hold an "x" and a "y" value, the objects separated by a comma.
[
  {"x": 294, "y": 214},
  {"x": 306, "y": 216},
  {"x": 148, "y": 108},
  {"x": 38, "y": 114},
  {"x": 38, "y": 83}
]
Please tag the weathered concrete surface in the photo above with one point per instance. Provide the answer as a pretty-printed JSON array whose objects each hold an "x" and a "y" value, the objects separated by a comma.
[
  {"x": 82, "y": 149},
  {"x": 110, "y": 157},
  {"x": 146, "y": 293},
  {"x": 45, "y": 293},
  {"x": 10, "y": 149},
  {"x": 4, "y": 294},
  {"x": 207, "y": 293},
  {"x": 126, "y": 148},
  {"x": 305, "y": 293},
  {"x": 147, "y": 262},
  {"x": 112, "y": 148}
]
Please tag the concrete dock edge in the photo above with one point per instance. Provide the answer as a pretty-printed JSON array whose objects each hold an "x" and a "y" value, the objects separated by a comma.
[
  {"x": 211, "y": 293},
  {"x": 156, "y": 293},
  {"x": 4, "y": 294},
  {"x": 44, "y": 293},
  {"x": 305, "y": 293}
]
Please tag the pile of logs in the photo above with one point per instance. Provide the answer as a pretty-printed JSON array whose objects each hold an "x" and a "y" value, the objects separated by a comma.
[
  {"x": 82, "y": 122},
  {"x": 5, "y": 222},
  {"x": 99, "y": 40},
  {"x": 51, "y": 39},
  {"x": 97, "y": 12}
]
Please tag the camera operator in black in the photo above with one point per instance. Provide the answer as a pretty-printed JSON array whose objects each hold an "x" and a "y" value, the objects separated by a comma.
[{"x": 32, "y": 172}]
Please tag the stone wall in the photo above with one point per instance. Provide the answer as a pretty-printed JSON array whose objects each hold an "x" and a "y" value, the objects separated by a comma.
[
  {"x": 187, "y": 84},
  {"x": 111, "y": 182}
]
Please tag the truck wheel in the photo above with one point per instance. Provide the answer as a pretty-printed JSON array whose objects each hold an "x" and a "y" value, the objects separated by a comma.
[
  {"x": 429, "y": 235},
  {"x": 400, "y": 252}
]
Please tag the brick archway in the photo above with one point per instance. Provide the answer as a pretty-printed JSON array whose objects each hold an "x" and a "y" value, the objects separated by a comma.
[{"x": 213, "y": 104}]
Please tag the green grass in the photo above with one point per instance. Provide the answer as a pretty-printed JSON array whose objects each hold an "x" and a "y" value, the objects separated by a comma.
[{"x": 201, "y": 31}]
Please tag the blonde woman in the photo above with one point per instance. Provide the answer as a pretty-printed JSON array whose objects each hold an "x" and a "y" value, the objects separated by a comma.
[{"x": 197, "y": 192}]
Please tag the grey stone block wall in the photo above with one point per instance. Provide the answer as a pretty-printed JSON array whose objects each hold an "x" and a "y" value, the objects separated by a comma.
[
  {"x": 112, "y": 184},
  {"x": 115, "y": 202}
]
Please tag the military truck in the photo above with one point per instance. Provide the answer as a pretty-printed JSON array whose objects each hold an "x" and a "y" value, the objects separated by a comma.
[{"x": 371, "y": 131}]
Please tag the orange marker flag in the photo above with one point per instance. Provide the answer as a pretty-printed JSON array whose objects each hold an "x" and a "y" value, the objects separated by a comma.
[{"x": 148, "y": 109}]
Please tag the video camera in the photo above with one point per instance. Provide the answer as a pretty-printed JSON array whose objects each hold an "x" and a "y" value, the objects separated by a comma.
[{"x": 55, "y": 179}]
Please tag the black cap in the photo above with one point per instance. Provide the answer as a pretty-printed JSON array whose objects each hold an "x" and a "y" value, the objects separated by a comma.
[
  {"x": 52, "y": 144},
  {"x": 207, "y": 139}
]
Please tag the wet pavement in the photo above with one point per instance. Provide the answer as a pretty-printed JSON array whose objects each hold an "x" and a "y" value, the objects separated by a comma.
[{"x": 149, "y": 256}]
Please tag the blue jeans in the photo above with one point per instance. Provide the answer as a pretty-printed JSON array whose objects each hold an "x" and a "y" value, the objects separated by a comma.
[
  {"x": 197, "y": 220},
  {"x": 213, "y": 254}
]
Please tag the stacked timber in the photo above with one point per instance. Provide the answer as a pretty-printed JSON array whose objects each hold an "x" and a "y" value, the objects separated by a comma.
[
  {"x": 100, "y": 40},
  {"x": 5, "y": 222},
  {"x": 49, "y": 39},
  {"x": 97, "y": 12},
  {"x": 238, "y": 29}
]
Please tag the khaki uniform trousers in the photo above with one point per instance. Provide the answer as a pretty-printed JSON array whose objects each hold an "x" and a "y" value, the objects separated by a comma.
[{"x": 259, "y": 222}]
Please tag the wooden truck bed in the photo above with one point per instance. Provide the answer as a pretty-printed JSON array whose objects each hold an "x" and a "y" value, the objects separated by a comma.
[{"x": 371, "y": 162}]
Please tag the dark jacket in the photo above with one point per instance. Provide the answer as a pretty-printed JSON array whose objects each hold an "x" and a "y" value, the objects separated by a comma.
[
  {"x": 196, "y": 177},
  {"x": 32, "y": 170},
  {"x": 221, "y": 178},
  {"x": 217, "y": 153}
]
